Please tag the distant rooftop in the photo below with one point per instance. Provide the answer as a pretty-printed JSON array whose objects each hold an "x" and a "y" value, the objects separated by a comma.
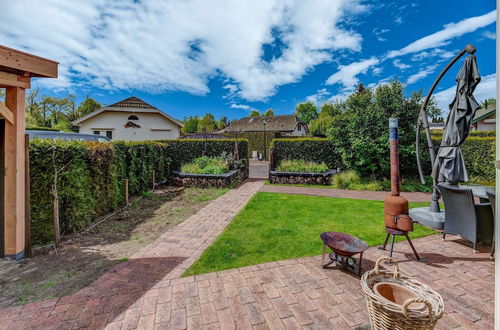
[{"x": 282, "y": 123}]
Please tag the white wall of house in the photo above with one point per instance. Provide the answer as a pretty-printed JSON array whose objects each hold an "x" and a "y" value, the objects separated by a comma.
[
  {"x": 300, "y": 130},
  {"x": 152, "y": 126}
]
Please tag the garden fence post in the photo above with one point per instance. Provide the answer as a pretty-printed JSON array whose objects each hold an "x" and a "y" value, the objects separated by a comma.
[
  {"x": 126, "y": 191},
  {"x": 154, "y": 179}
]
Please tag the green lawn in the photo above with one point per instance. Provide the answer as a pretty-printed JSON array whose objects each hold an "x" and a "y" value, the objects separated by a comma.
[{"x": 283, "y": 226}]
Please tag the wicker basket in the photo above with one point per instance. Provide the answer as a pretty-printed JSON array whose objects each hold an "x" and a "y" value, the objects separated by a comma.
[{"x": 385, "y": 314}]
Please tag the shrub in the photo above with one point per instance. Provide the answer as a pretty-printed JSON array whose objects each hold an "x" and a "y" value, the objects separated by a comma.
[
  {"x": 308, "y": 149},
  {"x": 298, "y": 165},
  {"x": 345, "y": 179},
  {"x": 206, "y": 165}
]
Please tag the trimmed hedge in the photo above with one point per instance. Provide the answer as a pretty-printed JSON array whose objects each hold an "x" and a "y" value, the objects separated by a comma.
[
  {"x": 91, "y": 176},
  {"x": 439, "y": 133},
  {"x": 479, "y": 156},
  {"x": 309, "y": 149},
  {"x": 90, "y": 180},
  {"x": 184, "y": 151}
]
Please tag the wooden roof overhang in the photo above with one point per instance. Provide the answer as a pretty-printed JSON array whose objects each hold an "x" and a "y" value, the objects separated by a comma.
[{"x": 17, "y": 67}]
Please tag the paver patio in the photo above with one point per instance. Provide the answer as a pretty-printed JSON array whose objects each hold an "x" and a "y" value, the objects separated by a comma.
[{"x": 146, "y": 292}]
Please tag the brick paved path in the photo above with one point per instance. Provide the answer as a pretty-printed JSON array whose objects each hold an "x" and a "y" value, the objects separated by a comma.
[
  {"x": 340, "y": 193},
  {"x": 146, "y": 293}
]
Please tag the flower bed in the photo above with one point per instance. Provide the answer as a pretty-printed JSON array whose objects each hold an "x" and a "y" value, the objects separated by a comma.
[
  {"x": 224, "y": 180},
  {"x": 322, "y": 178},
  {"x": 204, "y": 172}
]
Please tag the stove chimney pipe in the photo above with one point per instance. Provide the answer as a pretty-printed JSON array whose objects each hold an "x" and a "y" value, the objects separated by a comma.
[{"x": 393, "y": 138}]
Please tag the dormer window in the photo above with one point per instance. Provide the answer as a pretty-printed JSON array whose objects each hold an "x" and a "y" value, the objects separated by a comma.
[{"x": 133, "y": 117}]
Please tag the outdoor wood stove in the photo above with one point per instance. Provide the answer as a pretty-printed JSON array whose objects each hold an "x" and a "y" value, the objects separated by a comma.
[{"x": 396, "y": 218}]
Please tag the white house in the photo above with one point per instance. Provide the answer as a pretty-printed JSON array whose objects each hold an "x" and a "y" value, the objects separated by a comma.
[{"x": 130, "y": 120}]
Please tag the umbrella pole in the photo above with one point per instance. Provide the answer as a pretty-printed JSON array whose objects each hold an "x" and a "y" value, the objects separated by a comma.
[{"x": 423, "y": 119}]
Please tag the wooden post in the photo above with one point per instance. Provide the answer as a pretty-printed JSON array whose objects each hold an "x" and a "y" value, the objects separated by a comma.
[
  {"x": 14, "y": 195},
  {"x": 154, "y": 179},
  {"x": 27, "y": 210},
  {"x": 126, "y": 191}
]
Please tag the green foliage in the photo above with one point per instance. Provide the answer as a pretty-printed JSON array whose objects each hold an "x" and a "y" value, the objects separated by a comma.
[
  {"x": 472, "y": 134},
  {"x": 206, "y": 165},
  {"x": 332, "y": 109},
  {"x": 90, "y": 180},
  {"x": 255, "y": 113},
  {"x": 222, "y": 123},
  {"x": 319, "y": 127},
  {"x": 184, "y": 151},
  {"x": 191, "y": 124},
  {"x": 299, "y": 165},
  {"x": 361, "y": 132},
  {"x": 350, "y": 180},
  {"x": 207, "y": 123},
  {"x": 345, "y": 179},
  {"x": 269, "y": 112},
  {"x": 306, "y": 112},
  {"x": 308, "y": 149},
  {"x": 87, "y": 106}
]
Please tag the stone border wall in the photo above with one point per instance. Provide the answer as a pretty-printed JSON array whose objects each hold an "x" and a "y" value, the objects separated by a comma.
[
  {"x": 301, "y": 178},
  {"x": 229, "y": 179}
]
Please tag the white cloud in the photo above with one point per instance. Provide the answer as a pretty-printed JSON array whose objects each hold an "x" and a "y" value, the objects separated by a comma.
[
  {"x": 240, "y": 106},
  {"x": 179, "y": 45},
  {"x": 444, "y": 36},
  {"x": 486, "y": 89},
  {"x": 421, "y": 74},
  {"x": 319, "y": 96},
  {"x": 489, "y": 35},
  {"x": 401, "y": 66},
  {"x": 347, "y": 74},
  {"x": 437, "y": 52}
]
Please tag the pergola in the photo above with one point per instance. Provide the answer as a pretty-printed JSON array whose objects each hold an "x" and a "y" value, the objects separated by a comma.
[{"x": 16, "y": 70}]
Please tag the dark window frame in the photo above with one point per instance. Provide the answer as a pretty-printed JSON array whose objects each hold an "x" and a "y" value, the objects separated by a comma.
[{"x": 97, "y": 132}]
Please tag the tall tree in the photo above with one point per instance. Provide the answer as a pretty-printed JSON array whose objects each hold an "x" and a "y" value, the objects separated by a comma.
[
  {"x": 255, "y": 113},
  {"x": 306, "y": 112},
  {"x": 269, "y": 112},
  {"x": 191, "y": 124},
  {"x": 87, "y": 106},
  {"x": 207, "y": 123},
  {"x": 222, "y": 123},
  {"x": 331, "y": 109}
]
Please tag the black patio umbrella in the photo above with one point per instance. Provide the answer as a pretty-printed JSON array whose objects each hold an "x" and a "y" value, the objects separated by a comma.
[{"x": 449, "y": 165}]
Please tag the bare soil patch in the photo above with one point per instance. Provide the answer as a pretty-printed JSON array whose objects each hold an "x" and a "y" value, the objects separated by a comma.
[{"x": 85, "y": 256}]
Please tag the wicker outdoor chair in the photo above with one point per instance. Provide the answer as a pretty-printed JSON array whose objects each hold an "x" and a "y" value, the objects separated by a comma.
[
  {"x": 463, "y": 217},
  {"x": 492, "y": 198}
]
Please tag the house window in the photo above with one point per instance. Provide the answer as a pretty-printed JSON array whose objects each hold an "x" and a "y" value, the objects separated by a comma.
[
  {"x": 298, "y": 127},
  {"x": 109, "y": 134},
  {"x": 97, "y": 132},
  {"x": 133, "y": 117}
]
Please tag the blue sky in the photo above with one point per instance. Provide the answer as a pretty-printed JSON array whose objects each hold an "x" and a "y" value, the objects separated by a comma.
[{"x": 228, "y": 57}]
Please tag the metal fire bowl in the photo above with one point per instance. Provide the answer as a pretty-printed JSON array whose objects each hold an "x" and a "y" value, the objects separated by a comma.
[{"x": 343, "y": 244}]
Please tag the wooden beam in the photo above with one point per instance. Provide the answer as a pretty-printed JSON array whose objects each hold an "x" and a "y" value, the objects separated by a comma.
[
  {"x": 26, "y": 64},
  {"x": 13, "y": 80},
  {"x": 14, "y": 184},
  {"x": 6, "y": 113}
]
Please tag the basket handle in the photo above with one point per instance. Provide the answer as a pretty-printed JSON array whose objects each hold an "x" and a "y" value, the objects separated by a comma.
[
  {"x": 419, "y": 300},
  {"x": 390, "y": 259}
]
